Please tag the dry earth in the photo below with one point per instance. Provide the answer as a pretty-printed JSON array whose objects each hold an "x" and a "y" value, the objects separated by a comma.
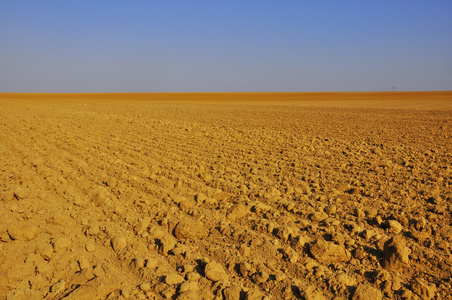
[{"x": 226, "y": 196}]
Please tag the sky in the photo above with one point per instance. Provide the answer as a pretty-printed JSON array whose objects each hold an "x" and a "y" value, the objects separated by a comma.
[{"x": 225, "y": 46}]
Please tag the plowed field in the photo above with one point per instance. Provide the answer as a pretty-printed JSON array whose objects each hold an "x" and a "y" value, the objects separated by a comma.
[{"x": 226, "y": 196}]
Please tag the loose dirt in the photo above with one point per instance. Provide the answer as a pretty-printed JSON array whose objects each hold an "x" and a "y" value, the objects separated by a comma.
[{"x": 226, "y": 196}]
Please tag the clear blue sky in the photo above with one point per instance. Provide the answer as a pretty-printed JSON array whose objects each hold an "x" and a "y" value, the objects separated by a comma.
[{"x": 225, "y": 46}]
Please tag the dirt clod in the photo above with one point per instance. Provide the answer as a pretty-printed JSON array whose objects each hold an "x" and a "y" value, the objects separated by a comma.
[
  {"x": 174, "y": 279},
  {"x": 22, "y": 232},
  {"x": 188, "y": 228},
  {"x": 61, "y": 244},
  {"x": 367, "y": 292},
  {"x": 232, "y": 293},
  {"x": 215, "y": 272},
  {"x": 396, "y": 254},
  {"x": 119, "y": 243},
  {"x": 328, "y": 252},
  {"x": 424, "y": 290}
]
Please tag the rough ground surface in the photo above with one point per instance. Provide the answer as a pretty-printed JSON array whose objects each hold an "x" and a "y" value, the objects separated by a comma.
[{"x": 227, "y": 196}]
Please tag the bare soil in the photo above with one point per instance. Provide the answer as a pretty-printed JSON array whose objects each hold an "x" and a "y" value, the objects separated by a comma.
[{"x": 226, "y": 196}]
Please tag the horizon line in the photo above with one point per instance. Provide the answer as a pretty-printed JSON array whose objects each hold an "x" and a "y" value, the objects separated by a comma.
[{"x": 299, "y": 92}]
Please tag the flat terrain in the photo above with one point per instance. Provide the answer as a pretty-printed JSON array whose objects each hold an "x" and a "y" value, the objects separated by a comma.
[{"x": 226, "y": 196}]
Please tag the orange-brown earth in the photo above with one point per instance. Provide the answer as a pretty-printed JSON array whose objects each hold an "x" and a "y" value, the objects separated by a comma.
[{"x": 226, "y": 196}]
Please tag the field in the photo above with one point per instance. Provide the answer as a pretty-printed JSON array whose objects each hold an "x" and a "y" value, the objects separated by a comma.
[{"x": 226, "y": 196}]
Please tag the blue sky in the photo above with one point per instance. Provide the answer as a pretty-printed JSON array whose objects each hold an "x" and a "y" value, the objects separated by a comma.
[{"x": 225, "y": 46}]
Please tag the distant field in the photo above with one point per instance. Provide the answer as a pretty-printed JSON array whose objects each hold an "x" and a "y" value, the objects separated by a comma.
[
  {"x": 226, "y": 196},
  {"x": 411, "y": 100}
]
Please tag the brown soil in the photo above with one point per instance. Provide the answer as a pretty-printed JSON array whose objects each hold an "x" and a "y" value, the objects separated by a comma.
[{"x": 226, "y": 196}]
